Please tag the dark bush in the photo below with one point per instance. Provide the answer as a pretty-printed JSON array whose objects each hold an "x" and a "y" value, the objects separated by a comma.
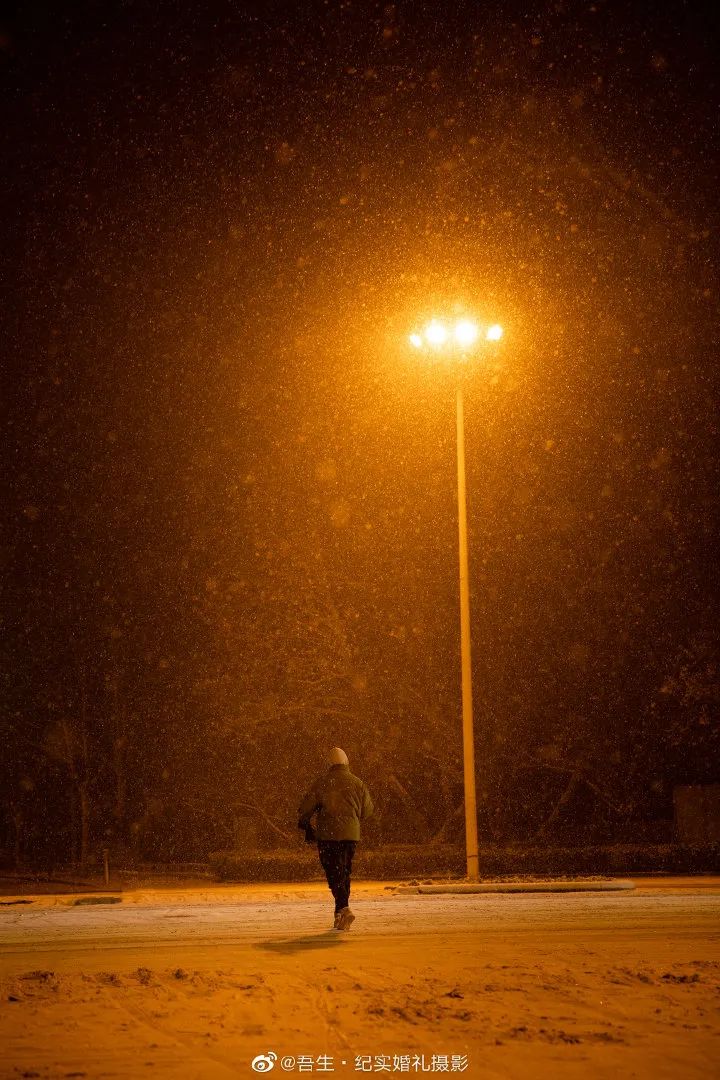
[
  {"x": 392, "y": 863},
  {"x": 371, "y": 863}
]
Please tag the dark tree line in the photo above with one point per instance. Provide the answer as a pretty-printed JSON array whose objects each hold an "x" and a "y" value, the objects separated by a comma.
[{"x": 223, "y": 759}]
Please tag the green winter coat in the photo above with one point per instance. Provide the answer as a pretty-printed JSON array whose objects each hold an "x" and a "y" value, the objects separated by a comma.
[{"x": 341, "y": 801}]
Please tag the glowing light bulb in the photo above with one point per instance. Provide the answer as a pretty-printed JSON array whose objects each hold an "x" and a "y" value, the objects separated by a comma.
[
  {"x": 435, "y": 333},
  {"x": 416, "y": 340},
  {"x": 494, "y": 333},
  {"x": 466, "y": 332}
]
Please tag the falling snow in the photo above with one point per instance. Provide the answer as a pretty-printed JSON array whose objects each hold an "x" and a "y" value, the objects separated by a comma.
[{"x": 230, "y": 532}]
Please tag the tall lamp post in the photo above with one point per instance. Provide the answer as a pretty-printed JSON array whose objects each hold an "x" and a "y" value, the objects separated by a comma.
[{"x": 459, "y": 341}]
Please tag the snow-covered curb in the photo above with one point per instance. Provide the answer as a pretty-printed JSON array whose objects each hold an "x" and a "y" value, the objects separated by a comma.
[
  {"x": 219, "y": 895},
  {"x": 215, "y": 894},
  {"x": 519, "y": 886}
]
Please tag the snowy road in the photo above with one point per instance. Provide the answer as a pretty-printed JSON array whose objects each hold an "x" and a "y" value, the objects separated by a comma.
[
  {"x": 75, "y": 929},
  {"x": 519, "y": 985}
]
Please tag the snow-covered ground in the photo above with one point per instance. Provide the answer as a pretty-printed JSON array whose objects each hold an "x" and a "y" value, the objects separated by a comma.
[{"x": 193, "y": 985}]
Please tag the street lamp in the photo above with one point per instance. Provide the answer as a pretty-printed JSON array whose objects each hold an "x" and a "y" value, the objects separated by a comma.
[{"x": 457, "y": 340}]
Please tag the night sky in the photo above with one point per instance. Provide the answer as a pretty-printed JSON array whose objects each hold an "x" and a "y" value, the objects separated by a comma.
[{"x": 229, "y": 537}]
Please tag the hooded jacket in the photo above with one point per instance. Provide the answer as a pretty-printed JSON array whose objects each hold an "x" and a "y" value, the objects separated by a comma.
[{"x": 341, "y": 801}]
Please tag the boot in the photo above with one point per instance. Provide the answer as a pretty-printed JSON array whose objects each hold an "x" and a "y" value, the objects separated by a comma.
[{"x": 345, "y": 919}]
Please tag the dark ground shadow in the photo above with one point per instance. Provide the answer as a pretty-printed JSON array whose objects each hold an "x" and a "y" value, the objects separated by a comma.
[{"x": 325, "y": 940}]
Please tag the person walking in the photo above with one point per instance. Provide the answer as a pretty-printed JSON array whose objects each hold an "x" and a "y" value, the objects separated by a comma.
[{"x": 339, "y": 801}]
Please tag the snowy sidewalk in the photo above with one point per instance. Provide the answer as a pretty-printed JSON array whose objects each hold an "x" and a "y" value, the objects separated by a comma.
[{"x": 290, "y": 892}]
